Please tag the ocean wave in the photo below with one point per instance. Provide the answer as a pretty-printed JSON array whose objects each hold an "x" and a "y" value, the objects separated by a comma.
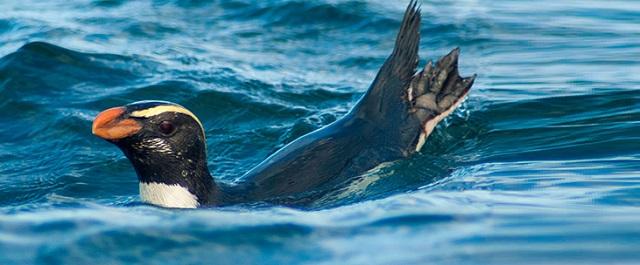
[{"x": 539, "y": 165}]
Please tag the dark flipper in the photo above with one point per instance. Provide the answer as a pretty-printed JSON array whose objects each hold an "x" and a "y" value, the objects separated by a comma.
[{"x": 384, "y": 97}]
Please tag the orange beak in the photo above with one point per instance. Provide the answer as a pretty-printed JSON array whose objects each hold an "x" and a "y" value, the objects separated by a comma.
[{"x": 108, "y": 125}]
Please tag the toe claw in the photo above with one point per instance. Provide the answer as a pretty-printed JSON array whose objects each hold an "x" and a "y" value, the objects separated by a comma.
[{"x": 469, "y": 80}]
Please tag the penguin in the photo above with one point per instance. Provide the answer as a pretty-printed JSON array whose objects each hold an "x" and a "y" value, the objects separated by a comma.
[{"x": 166, "y": 144}]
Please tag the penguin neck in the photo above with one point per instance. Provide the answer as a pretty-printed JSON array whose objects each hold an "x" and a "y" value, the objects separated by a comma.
[{"x": 175, "y": 182}]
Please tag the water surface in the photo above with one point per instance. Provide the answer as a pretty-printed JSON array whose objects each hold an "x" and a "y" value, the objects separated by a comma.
[{"x": 539, "y": 165}]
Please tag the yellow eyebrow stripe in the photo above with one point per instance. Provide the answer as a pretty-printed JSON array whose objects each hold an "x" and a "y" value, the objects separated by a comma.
[{"x": 146, "y": 113}]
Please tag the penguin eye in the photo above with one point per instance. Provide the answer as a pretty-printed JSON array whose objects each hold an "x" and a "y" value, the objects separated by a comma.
[{"x": 166, "y": 127}]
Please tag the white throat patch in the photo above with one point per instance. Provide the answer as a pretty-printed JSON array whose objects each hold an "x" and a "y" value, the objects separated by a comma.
[{"x": 171, "y": 196}]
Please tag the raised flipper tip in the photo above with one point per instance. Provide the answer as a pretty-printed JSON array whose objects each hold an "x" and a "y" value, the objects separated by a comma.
[{"x": 468, "y": 81}]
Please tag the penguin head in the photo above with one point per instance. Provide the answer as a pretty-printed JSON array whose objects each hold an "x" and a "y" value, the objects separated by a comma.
[{"x": 166, "y": 145}]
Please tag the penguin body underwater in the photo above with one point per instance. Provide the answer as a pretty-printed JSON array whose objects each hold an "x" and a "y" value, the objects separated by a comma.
[{"x": 166, "y": 143}]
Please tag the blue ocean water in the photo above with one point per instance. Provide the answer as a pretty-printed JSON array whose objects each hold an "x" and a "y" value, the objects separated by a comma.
[{"x": 541, "y": 165}]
